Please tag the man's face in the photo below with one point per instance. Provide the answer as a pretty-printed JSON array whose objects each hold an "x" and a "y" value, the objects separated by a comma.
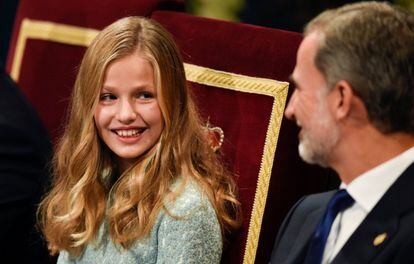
[{"x": 310, "y": 106}]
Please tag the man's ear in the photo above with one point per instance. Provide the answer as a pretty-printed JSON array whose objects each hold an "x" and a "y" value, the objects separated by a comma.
[
  {"x": 347, "y": 104},
  {"x": 343, "y": 97}
]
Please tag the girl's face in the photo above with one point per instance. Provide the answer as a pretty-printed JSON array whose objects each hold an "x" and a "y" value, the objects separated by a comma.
[{"x": 128, "y": 117}]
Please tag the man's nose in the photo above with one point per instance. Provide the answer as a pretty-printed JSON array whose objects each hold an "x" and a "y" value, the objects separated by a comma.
[
  {"x": 126, "y": 111},
  {"x": 290, "y": 109}
]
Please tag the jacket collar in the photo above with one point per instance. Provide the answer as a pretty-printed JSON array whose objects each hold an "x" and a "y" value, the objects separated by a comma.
[{"x": 363, "y": 245}]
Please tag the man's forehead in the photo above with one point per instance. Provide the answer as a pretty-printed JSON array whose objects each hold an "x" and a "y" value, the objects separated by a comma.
[
  {"x": 305, "y": 55},
  {"x": 305, "y": 72},
  {"x": 309, "y": 45}
]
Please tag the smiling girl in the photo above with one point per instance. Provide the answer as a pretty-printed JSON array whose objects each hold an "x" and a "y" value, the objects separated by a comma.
[{"x": 135, "y": 178}]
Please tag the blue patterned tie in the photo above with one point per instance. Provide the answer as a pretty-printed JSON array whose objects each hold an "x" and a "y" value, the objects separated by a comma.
[{"x": 339, "y": 202}]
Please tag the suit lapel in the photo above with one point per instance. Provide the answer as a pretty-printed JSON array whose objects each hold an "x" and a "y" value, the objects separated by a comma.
[
  {"x": 360, "y": 248},
  {"x": 381, "y": 224},
  {"x": 299, "y": 248}
]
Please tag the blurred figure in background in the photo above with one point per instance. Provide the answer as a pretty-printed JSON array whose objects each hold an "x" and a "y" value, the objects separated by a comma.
[{"x": 24, "y": 152}]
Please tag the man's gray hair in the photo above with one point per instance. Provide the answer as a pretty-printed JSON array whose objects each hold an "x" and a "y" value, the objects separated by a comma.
[{"x": 371, "y": 46}]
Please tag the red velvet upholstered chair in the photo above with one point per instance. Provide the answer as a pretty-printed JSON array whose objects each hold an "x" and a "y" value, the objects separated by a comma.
[
  {"x": 238, "y": 74},
  {"x": 49, "y": 40}
]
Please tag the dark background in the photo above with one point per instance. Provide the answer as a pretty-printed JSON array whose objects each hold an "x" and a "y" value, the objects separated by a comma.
[
  {"x": 7, "y": 12},
  {"x": 283, "y": 14}
]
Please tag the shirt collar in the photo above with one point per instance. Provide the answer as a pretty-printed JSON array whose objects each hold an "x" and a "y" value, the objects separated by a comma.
[{"x": 368, "y": 188}]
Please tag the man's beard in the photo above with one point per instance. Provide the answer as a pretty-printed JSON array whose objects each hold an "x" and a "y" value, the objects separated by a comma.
[{"x": 317, "y": 145}]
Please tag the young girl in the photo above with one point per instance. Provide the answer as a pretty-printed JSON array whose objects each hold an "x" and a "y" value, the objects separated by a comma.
[{"x": 135, "y": 178}]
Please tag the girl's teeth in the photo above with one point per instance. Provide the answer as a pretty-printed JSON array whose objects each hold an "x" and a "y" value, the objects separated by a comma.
[{"x": 127, "y": 133}]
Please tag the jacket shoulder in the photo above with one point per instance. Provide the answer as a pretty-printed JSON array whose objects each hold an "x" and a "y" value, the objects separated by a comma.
[{"x": 305, "y": 214}]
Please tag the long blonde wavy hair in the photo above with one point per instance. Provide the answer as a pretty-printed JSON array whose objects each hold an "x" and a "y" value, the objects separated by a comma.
[{"x": 85, "y": 171}]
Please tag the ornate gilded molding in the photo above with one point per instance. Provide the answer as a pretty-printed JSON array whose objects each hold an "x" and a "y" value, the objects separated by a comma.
[
  {"x": 237, "y": 82},
  {"x": 278, "y": 90},
  {"x": 32, "y": 29},
  {"x": 35, "y": 29}
]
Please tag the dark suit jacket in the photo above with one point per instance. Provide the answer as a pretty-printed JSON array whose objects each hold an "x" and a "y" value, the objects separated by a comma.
[
  {"x": 24, "y": 152},
  {"x": 393, "y": 215}
]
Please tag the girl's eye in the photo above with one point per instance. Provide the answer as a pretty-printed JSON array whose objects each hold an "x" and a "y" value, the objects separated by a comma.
[
  {"x": 145, "y": 95},
  {"x": 107, "y": 97}
]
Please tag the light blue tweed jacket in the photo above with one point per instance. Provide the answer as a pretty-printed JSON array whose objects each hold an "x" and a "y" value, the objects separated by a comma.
[{"x": 194, "y": 239}]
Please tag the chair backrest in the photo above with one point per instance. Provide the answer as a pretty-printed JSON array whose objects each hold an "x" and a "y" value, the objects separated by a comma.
[
  {"x": 239, "y": 76},
  {"x": 45, "y": 49},
  {"x": 237, "y": 72}
]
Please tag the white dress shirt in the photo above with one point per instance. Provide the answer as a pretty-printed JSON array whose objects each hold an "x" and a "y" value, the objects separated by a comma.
[{"x": 367, "y": 189}]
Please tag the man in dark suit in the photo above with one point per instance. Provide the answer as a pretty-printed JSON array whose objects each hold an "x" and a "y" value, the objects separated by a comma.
[
  {"x": 24, "y": 152},
  {"x": 354, "y": 103}
]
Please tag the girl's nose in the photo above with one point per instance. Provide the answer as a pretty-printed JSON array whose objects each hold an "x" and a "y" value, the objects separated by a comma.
[{"x": 126, "y": 112}]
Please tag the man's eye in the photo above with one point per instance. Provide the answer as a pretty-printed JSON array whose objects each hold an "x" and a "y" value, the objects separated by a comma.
[{"x": 107, "y": 97}]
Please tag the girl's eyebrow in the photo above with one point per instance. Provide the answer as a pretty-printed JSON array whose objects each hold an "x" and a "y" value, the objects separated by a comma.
[{"x": 142, "y": 87}]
